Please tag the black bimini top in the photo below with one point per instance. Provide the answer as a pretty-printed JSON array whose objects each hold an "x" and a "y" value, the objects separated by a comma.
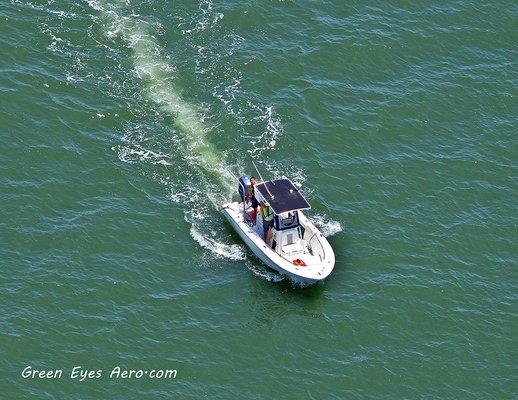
[{"x": 285, "y": 196}]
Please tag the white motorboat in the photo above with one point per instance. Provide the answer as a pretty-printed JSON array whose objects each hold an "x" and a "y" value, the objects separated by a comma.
[{"x": 292, "y": 245}]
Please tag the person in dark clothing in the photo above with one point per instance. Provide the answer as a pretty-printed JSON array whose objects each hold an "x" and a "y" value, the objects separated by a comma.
[{"x": 251, "y": 195}]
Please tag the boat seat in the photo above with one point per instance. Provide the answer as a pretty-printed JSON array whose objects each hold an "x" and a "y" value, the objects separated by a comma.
[{"x": 293, "y": 248}]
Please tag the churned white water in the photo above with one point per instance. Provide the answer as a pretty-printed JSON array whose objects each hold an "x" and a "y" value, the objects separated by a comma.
[{"x": 210, "y": 182}]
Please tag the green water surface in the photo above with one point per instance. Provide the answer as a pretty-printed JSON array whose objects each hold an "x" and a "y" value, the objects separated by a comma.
[{"x": 119, "y": 121}]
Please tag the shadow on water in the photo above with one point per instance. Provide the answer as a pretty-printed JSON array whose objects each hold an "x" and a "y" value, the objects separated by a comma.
[{"x": 271, "y": 301}]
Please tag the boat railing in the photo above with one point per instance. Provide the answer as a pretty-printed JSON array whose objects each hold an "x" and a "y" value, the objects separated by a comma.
[{"x": 314, "y": 238}]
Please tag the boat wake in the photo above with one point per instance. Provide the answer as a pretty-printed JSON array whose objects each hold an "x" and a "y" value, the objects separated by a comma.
[
  {"x": 327, "y": 226},
  {"x": 263, "y": 272},
  {"x": 205, "y": 164},
  {"x": 231, "y": 251},
  {"x": 204, "y": 167},
  {"x": 155, "y": 72}
]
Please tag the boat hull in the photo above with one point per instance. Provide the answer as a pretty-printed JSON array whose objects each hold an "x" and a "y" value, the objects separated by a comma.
[{"x": 300, "y": 275}]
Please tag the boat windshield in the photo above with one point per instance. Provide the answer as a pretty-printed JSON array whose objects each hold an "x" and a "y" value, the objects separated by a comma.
[{"x": 287, "y": 221}]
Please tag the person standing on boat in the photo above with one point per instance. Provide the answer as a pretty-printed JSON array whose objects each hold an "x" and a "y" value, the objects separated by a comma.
[
  {"x": 251, "y": 196},
  {"x": 267, "y": 215}
]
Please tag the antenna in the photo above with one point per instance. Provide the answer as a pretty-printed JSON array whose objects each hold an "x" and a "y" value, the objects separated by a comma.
[
  {"x": 258, "y": 173},
  {"x": 235, "y": 177}
]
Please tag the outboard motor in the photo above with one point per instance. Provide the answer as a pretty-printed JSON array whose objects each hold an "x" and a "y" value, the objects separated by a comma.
[{"x": 244, "y": 186}]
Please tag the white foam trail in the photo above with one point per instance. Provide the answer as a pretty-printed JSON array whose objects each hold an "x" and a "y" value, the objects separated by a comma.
[
  {"x": 327, "y": 226},
  {"x": 132, "y": 155},
  {"x": 156, "y": 74},
  {"x": 95, "y": 5},
  {"x": 207, "y": 20},
  {"x": 219, "y": 249},
  {"x": 265, "y": 272},
  {"x": 157, "y": 77},
  {"x": 268, "y": 139}
]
